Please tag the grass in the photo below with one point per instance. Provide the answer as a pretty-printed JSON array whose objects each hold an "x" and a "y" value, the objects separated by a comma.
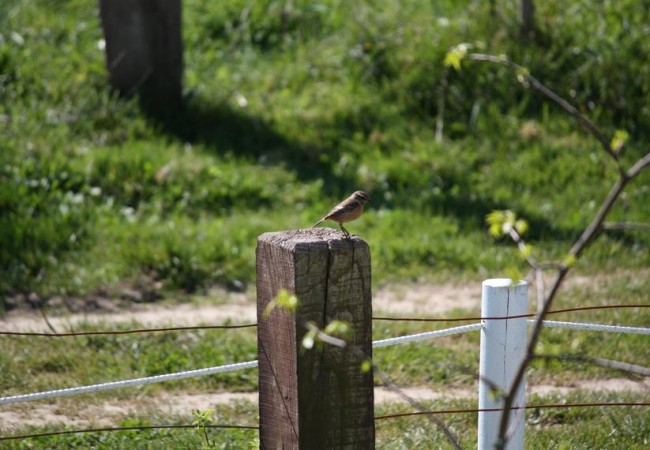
[
  {"x": 33, "y": 364},
  {"x": 56, "y": 363},
  {"x": 287, "y": 109},
  {"x": 554, "y": 428},
  {"x": 610, "y": 428}
]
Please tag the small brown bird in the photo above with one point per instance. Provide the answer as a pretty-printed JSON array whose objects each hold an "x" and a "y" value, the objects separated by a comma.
[{"x": 346, "y": 211}]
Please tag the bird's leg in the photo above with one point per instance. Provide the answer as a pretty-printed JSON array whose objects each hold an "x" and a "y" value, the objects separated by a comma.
[{"x": 347, "y": 235}]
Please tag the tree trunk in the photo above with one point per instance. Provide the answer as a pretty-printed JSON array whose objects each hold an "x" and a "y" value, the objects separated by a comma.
[
  {"x": 528, "y": 25},
  {"x": 144, "y": 48}
]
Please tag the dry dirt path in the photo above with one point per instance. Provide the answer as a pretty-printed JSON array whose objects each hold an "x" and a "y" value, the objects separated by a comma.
[{"x": 240, "y": 308}]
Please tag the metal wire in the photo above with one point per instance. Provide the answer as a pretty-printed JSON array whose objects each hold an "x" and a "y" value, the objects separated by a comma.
[
  {"x": 469, "y": 319},
  {"x": 477, "y": 410},
  {"x": 253, "y": 364},
  {"x": 388, "y": 416},
  {"x": 141, "y": 427},
  {"x": 210, "y": 370},
  {"x": 592, "y": 327},
  {"x": 251, "y": 325},
  {"x": 117, "y": 332},
  {"x": 127, "y": 383},
  {"x": 427, "y": 335}
]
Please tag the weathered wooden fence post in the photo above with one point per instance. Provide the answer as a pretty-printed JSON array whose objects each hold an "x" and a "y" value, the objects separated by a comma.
[
  {"x": 319, "y": 398},
  {"x": 503, "y": 348}
]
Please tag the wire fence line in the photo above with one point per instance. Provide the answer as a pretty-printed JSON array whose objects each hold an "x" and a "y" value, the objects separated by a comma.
[
  {"x": 378, "y": 418},
  {"x": 253, "y": 364},
  {"x": 209, "y": 371},
  {"x": 593, "y": 327},
  {"x": 427, "y": 335},
  {"x": 127, "y": 383},
  {"x": 132, "y": 428},
  {"x": 253, "y": 325},
  {"x": 118, "y": 332},
  {"x": 518, "y": 316},
  {"x": 478, "y": 410}
]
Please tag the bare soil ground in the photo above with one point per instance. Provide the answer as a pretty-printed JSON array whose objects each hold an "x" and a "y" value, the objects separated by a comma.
[
  {"x": 240, "y": 308},
  {"x": 412, "y": 300}
]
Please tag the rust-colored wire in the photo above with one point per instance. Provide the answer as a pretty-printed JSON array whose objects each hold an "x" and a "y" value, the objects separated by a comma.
[
  {"x": 476, "y": 410},
  {"x": 251, "y": 325},
  {"x": 133, "y": 428},
  {"x": 388, "y": 416},
  {"x": 114, "y": 332},
  {"x": 471, "y": 319}
]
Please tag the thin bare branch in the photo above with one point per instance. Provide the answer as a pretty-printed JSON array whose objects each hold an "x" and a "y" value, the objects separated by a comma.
[
  {"x": 324, "y": 337},
  {"x": 47, "y": 321},
  {"x": 639, "y": 166},
  {"x": 596, "y": 223},
  {"x": 390, "y": 384},
  {"x": 583, "y": 241},
  {"x": 532, "y": 261},
  {"x": 440, "y": 116},
  {"x": 579, "y": 246},
  {"x": 521, "y": 245},
  {"x": 538, "y": 86},
  {"x": 541, "y": 290},
  {"x": 633, "y": 369}
]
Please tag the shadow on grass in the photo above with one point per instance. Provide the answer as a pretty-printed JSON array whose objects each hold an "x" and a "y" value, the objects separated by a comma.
[
  {"x": 471, "y": 210},
  {"x": 226, "y": 131}
]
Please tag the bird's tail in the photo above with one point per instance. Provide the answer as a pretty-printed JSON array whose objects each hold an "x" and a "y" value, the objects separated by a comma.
[{"x": 318, "y": 223}]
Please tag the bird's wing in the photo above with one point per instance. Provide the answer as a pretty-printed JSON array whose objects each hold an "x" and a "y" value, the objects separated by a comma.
[{"x": 342, "y": 208}]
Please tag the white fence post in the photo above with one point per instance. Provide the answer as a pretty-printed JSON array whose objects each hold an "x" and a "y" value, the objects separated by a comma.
[{"x": 503, "y": 346}]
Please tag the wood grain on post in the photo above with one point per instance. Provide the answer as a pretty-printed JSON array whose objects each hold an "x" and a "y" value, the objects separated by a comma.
[{"x": 318, "y": 398}]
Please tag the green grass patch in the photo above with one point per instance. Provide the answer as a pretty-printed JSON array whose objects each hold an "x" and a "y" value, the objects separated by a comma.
[
  {"x": 599, "y": 427},
  {"x": 557, "y": 428},
  {"x": 34, "y": 364},
  {"x": 50, "y": 364},
  {"x": 289, "y": 108}
]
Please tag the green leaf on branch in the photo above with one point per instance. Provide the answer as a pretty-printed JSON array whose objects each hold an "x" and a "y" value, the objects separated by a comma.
[
  {"x": 338, "y": 328},
  {"x": 366, "y": 365},
  {"x": 334, "y": 334},
  {"x": 619, "y": 140},
  {"x": 455, "y": 56},
  {"x": 522, "y": 75},
  {"x": 502, "y": 222},
  {"x": 309, "y": 339},
  {"x": 526, "y": 251},
  {"x": 284, "y": 300},
  {"x": 495, "y": 221},
  {"x": 521, "y": 226},
  {"x": 514, "y": 274},
  {"x": 570, "y": 260}
]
